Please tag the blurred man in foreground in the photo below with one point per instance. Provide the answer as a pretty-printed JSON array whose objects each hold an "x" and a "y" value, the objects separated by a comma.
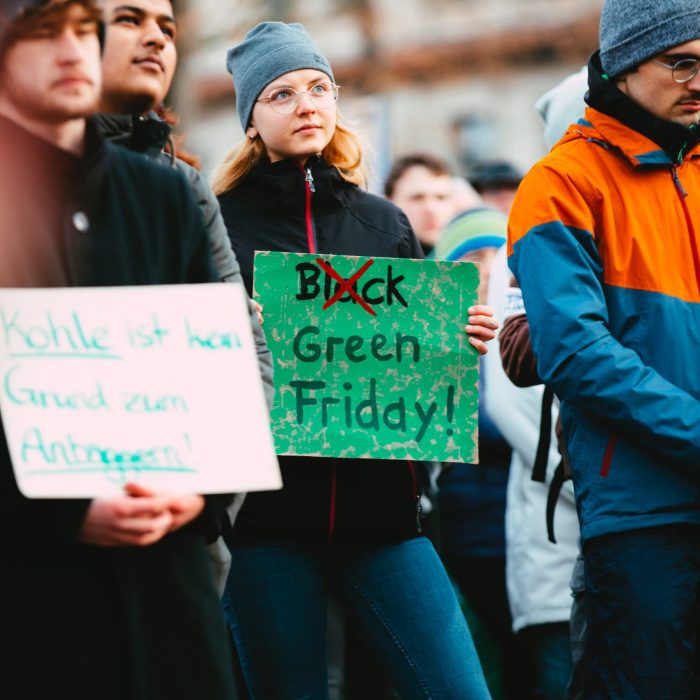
[{"x": 109, "y": 598}]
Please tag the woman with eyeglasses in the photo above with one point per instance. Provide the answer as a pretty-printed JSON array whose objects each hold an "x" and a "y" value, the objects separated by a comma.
[{"x": 347, "y": 525}]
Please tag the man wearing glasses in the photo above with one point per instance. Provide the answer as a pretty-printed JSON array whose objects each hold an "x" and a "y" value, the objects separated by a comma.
[{"x": 604, "y": 239}]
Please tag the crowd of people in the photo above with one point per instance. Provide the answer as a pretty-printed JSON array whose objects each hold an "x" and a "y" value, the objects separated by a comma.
[{"x": 565, "y": 564}]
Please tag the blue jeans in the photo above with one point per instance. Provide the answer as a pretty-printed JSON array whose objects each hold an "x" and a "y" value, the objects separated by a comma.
[
  {"x": 578, "y": 628},
  {"x": 550, "y": 658},
  {"x": 399, "y": 599}
]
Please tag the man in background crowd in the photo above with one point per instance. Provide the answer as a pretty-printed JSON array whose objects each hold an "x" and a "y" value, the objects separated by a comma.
[
  {"x": 138, "y": 66},
  {"x": 497, "y": 182},
  {"x": 422, "y": 186}
]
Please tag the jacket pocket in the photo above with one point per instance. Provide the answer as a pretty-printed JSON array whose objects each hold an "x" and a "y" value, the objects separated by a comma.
[{"x": 607, "y": 457}]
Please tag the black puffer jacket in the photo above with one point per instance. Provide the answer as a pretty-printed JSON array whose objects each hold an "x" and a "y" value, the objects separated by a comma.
[{"x": 282, "y": 207}]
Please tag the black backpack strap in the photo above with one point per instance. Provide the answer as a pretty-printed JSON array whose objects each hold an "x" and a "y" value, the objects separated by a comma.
[
  {"x": 558, "y": 479},
  {"x": 539, "y": 469}
]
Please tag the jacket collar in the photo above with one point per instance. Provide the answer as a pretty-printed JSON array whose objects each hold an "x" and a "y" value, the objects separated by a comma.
[
  {"x": 45, "y": 159},
  {"x": 146, "y": 134},
  {"x": 642, "y": 137},
  {"x": 283, "y": 184}
]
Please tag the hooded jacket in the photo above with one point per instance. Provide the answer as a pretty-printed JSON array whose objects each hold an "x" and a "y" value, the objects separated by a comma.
[
  {"x": 604, "y": 240},
  {"x": 283, "y": 207}
]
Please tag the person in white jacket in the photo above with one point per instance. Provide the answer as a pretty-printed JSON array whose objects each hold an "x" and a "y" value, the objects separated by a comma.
[{"x": 538, "y": 571}]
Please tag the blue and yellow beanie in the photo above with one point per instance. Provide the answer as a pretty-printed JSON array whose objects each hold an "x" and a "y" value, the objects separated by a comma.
[
  {"x": 471, "y": 230},
  {"x": 270, "y": 49}
]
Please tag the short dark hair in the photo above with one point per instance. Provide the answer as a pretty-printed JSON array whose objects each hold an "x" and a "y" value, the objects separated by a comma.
[
  {"x": 18, "y": 18},
  {"x": 494, "y": 175},
  {"x": 436, "y": 165}
]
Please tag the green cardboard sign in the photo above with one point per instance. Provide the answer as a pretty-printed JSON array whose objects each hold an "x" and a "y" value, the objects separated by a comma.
[{"x": 371, "y": 357}]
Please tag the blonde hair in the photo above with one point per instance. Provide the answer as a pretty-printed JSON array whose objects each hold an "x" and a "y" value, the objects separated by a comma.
[{"x": 343, "y": 152}]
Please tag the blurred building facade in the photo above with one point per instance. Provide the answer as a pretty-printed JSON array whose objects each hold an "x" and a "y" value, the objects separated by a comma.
[{"x": 457, "y": 78}]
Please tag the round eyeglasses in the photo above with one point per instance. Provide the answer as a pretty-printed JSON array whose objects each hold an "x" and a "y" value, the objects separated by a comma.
[
  {"x": 682, "y": 71},
  {"x": 284, "y": 100}
]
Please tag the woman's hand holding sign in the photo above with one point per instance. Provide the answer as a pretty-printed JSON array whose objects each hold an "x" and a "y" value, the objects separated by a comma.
[{"x": 482, "y": 327}]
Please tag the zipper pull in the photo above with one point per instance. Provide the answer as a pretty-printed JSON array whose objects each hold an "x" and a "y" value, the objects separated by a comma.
[
  {"x": 419, "y": 513},
  {"x": 677, "y": 181},
  {"x": 681, "y": 154},
  {"x": 310, "y": 179}
]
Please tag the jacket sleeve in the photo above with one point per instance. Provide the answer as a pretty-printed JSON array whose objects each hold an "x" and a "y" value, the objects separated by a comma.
[
  {"x": 224, "y": 258},
  {"x": 31, "y": 525},
  {"x": 214, "y": 520},
  {"x": 410, "y": 247},
  {"x": 556, "y": 261},
  {"x": 415, "y": 250},
  {"x": 227, "y": 267},
  {"x": 517, "y": 410},
  {"x": 518, "y": 359}
]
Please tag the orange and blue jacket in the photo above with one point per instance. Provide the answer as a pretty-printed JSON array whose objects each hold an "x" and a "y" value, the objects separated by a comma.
[{"x": 604, "y": 239}]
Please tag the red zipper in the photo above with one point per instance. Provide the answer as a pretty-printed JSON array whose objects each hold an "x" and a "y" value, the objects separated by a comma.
[
  {"x": 414, "y": 480},
  {"x": 309, "y": 186},
  {"x": 607, "y": 457},
  {"x": 310, "y": 189},
  {"x": 331, "y": 509}
]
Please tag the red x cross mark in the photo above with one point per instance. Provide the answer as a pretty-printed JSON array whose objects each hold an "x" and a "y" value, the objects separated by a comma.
[{"x": 346, "y": 285}]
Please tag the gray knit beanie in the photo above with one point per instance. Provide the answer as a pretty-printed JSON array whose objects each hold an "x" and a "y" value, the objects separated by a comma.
[
  {"x": 269, "y": 50},
  {"x": 633, "y": 31}
]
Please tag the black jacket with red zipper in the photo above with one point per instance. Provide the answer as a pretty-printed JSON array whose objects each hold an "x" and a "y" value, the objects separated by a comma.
[{"x": 283, "y": 207}]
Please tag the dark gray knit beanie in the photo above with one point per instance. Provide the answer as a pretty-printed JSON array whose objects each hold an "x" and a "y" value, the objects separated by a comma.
[
  {"x": 633, "y": 31},
  {"x": 269, "y": 50}
]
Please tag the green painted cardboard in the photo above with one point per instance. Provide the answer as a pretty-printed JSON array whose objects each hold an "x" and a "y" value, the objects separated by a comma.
[{"x": 371, "y": 357}]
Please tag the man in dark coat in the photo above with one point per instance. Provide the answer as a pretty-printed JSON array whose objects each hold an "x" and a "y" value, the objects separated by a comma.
[
  {"x": 138, "y": 66},
  {"x": 109, "y": 598}
]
